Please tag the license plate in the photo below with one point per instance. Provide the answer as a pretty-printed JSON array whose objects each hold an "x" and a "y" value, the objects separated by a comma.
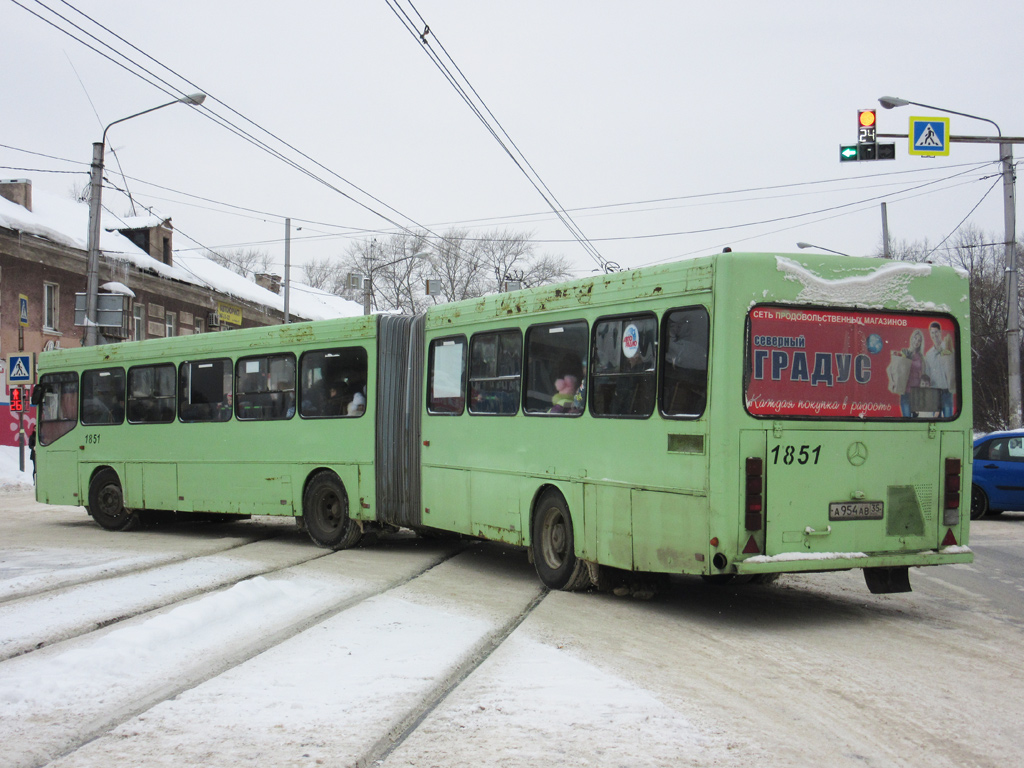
[{"x": 856, "y": 510}]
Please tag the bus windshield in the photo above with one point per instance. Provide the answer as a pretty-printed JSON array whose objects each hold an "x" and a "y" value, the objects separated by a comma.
[{"x": 841, "y": 364}]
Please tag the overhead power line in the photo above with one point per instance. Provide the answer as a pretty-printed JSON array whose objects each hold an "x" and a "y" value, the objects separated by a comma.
[{"x": 478, "y": 106}]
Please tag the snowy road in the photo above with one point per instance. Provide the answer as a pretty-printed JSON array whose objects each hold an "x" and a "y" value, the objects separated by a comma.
[{"x": 243, "y": 644}]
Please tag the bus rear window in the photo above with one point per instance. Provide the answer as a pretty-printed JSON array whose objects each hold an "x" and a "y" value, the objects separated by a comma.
[{"x": 848, "y": 364}]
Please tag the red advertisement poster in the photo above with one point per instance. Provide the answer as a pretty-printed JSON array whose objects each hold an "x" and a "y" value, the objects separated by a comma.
[{"x": 828, "y": 363}]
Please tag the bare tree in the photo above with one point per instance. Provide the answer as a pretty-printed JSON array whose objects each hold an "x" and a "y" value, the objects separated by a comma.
[
  {"x": 981, "y": 256},
  {"x": 398, "y": 267},
  {"x": 457, "y": 266},
  {"x": 244, "y": 261},
  {"x": 325, "y": 274}
]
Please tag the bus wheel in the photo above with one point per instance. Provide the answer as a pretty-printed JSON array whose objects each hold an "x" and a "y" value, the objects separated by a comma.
[
  {"x": 554, "y": 555},
  {"x": 979, "y": 503},
  {"x": 325, "y": 513},
  {"x": 106, "y": 503}
]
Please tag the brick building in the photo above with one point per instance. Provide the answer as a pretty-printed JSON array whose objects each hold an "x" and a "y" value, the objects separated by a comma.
[{"x": 43, "y": 265}]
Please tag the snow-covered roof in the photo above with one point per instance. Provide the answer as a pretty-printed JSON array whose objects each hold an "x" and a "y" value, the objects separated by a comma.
[{"x": 66, "y": 222}]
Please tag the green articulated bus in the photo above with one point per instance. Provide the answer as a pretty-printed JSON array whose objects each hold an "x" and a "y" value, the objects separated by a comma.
[{"x": 733, "y": 416}]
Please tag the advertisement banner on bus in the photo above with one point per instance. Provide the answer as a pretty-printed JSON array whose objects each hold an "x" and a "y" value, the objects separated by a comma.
[{"x": 826, "y": 363}]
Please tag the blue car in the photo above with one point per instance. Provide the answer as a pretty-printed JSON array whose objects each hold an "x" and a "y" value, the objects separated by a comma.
[{"x": 998, "y": 473}]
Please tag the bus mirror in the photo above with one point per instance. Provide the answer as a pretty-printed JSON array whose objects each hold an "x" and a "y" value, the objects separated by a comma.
[{"x": 38, "y": 393}]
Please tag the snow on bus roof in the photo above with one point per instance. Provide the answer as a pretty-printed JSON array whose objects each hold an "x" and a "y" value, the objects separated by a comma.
[
  {"x": 887, "y": 284},
  {"x": 65, "y": 222}
]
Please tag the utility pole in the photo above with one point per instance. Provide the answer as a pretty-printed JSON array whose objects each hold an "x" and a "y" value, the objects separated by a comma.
[{"x": 287, "y": 263}]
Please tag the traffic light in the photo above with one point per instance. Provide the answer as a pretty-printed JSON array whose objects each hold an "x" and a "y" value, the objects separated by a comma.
[
  {"x": 16, "y": 403},
  {"x": 867, "y": 146},
  {"x": 866, "y": 127}
]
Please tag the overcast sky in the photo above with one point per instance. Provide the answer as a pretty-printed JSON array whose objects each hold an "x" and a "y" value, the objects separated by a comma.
[{"x": 699, "y": 107}]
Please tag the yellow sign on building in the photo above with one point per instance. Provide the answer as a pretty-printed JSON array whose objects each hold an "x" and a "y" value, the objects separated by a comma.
[{"x": 229, "y": 313}]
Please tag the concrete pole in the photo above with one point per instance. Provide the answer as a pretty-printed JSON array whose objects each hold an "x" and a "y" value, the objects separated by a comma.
[
  {"x": 93, "y": 265},
  {"x": 885, "y": 233},
  {"x": 287, "y": 263},
  {"x": 1012, "y": 297}
]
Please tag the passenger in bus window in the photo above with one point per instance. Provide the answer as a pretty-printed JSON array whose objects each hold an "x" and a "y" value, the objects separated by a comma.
[
  {"x": 563, "y": 401},
  {"x": 337, "y": 402},
  {"x": 358, "y": 402}
]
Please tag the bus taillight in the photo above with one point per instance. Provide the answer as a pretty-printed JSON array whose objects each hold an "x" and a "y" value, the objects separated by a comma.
[
  {"x": 755, "y": 493},
  {"x": 951, "y": 510}
]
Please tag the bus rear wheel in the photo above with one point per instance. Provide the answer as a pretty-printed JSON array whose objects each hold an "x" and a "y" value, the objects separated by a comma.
[
  {"x": 325, "y": 513},
  {"x": 554, "y": 554},
  {"x": 106, "y": 503}
]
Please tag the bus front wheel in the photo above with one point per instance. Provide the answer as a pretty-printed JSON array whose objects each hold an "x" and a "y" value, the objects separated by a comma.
[
  {"x": 325, "y": 513},
  {"x": 106, "y": 503},
  {"x": 553, "y": 546}
]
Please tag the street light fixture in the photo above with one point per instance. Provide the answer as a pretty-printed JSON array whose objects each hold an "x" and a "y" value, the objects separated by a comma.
[
  {"x": 820, "y": 248},
  {"x": 95, "y": 192},
  {"x": 1010, "y": 236}
]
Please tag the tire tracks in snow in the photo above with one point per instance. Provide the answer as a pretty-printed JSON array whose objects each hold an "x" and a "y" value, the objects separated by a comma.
[
  {"x": 83, "y": 733},
  {"x": 14, "y": 647}
]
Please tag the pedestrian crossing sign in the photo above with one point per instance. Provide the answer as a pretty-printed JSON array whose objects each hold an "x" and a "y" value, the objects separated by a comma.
[
  {"x": 19, "y": 370},
  {"x": 929, "y": 136}
]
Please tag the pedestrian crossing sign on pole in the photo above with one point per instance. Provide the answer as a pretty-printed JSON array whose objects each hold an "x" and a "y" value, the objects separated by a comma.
[
  {"x": 929, "y": 136},
  {"x": 19, "y": 370}
]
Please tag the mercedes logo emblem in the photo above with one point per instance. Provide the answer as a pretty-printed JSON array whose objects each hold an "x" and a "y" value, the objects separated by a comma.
[{"x": 857, "y": 453}]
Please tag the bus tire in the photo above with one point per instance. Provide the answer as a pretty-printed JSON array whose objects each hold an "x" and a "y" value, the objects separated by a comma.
[
  {"x": 553, "y": 546},
  {"x": 325, "y": 513},
  {"x": 979, "y": 503},
  {"x": 106, "y": 503}
]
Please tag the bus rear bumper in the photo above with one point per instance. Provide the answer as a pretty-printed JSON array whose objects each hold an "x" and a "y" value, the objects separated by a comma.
[{"x": 792, "y": 562}]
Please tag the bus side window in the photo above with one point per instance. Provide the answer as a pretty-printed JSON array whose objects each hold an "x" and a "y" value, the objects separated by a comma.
[
  {"x": 623, "y": 366},
  {"x": 58, "y": 409},
  {"x": 556, "y": 368},
  {"x": 332, "y": 383},
  {"x": 265, "y": 388},
  {"x": 204, "y": 390},
  {"x": 151, "y": 394},
  {"x": 684, "y": 378},
  {"x": 103, "y": 397},
  {"x": 495, "y": 364},
  {"x": 446, "y": 376}
]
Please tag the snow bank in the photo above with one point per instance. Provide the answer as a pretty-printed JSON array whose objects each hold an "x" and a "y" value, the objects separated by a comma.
[{"x": 12, "y": 478}]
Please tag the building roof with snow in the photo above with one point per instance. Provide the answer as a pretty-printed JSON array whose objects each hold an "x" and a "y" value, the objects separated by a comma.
[{"x": 65, "y": 222}]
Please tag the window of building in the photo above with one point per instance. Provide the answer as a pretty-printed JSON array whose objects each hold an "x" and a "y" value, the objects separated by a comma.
[
  {"x": 684, "y": 364},
  {"x": 51, "y": 306},
  {"x": 332, "y": 383},
  {"x": 204, "y": 390},
  {"x": 171, "y": 321},
  {"x": 265, "y": 388},
  {"x": 495, "y": 365},
  {"x": 199, "y": 325},
  {"x": 151, "y": 394},
  {"x": 103, "y": 396},
  {"x": 57, "y": 399},
  {"x": 623, "y": 362},
  {"x": 446, "y": 377},
  {"x": 139, "y": 322},
  {"x": 556, "y": 368}
]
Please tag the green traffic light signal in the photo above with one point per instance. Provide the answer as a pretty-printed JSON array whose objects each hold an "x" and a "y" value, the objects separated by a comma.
[{"x": 848, "y": 153}]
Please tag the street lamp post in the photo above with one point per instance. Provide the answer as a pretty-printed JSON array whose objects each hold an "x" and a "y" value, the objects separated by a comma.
[
  {"x": 820, "y": 248},
  {"x": 1010, "y": 251},
  {"x": 95, "y": 193}
]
